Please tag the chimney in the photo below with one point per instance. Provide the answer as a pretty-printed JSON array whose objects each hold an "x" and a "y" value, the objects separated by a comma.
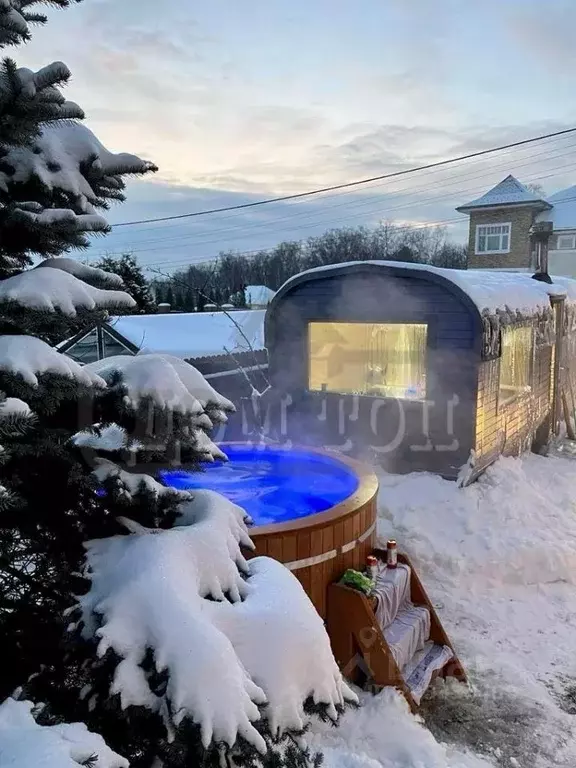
[
  {"x": 540, "y": 233},
  {"x": 163, "y": 308}
]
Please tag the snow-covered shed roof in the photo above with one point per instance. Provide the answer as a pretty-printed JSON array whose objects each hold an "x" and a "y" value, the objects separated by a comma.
[
  {"x": 490, "y": 291},
  {"x": 259, "y": 295},
  {"x": 508, "y": 192},
  {"x": 194, "y": 334},
  {"x": 563, "y": 211}
]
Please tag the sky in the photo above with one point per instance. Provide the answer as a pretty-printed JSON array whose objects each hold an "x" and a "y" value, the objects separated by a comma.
[{"x": 240, "y": 101}]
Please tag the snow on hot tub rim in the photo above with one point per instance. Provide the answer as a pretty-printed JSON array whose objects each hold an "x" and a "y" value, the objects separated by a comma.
[{"x": 366, "y": 490}]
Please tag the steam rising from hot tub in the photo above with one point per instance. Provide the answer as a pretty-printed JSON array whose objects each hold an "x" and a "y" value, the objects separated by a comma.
[{"x": 383, "y": 430}]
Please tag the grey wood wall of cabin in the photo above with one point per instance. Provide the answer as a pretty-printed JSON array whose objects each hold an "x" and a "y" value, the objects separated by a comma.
[{"x": 376, "y": 429}]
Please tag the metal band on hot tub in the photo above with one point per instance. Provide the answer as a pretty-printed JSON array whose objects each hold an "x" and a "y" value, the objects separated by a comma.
[{"x": 295, "y": 565}]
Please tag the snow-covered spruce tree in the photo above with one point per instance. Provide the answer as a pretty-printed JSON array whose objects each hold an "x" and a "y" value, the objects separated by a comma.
[
  {"x": 132, "y": 275},
  {"x": 173, "y": 629},
  {"x": 54, "y": 175}
]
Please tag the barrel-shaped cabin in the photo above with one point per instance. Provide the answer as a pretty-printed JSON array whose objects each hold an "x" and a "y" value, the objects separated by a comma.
[{"x": 416, "y": 367}]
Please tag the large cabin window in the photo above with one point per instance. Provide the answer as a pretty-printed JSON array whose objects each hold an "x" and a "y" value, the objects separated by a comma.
[
  {"x": 515, "y": 362},
  {"x": 378, "y": 359}
]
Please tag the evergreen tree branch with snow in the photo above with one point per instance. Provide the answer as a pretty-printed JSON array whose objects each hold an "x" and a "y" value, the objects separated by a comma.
[
  {"x": 123, "y": 603},
  {"x": 135, "y": 283}
]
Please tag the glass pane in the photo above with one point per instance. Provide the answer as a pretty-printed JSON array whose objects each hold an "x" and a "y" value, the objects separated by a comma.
[
  {"x": 515, "y": 362},
  {"x": 505, "y": 239},
  {"x": 384, "y": 360},
  {"x": 566, "y": 242},
  {"x": 113, "y": 347},
  {"x": 85, "y": 350},
  {"x": 493, "y": 243},
  {"x": 481, "y": 243}
]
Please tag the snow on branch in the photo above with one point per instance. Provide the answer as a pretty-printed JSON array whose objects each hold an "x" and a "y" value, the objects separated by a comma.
[
  {"x": 55, "y": 289},
  {"x": 59, "y": 219},
  {"x": 99, "y": 278},
  {"x": 282, "y": 643},
  {"x": 15, "y": 19},
  {"x": 31, "y": 100},
  {"x": 148, "y": 590},
  {"x": 228, "y": 644},
  {"x": 13, "y": 406},
  {"x": 29, "y": 357},
  {"x": 206, "y": 448},
  {"x": 69, "y": 158},
  {"x": 211, "y": 400},
  {"x": 171, "y": 383},
  {"x": 24, "y": 743},
  {"x": 111, "y": 437},
  {"x": 13, "y": 24},
  {"x": 132, "y": 481}
]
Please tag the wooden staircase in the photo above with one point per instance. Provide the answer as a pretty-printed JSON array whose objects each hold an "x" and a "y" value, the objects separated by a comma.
[{"x": 360, "y": 646}]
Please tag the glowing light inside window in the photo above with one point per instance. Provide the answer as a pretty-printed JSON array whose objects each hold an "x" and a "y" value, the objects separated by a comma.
[
  {"x": 378, "y": 359},
  {"x": 515, "y": 362}
]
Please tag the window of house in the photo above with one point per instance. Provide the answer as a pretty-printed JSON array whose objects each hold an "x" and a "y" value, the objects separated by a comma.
[
  {"x": 566, "y": 242},
  {"x": 382, "y": 360},
  {"x": 516, "y": 362},
  {"x": 493, "y": 238}
]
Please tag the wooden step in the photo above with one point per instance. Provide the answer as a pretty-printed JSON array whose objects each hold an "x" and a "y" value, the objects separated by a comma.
[
  {"x": 424, "y": 667},
  {"x": 363, "y": 652},
  {"x": 408, "y": 633}
]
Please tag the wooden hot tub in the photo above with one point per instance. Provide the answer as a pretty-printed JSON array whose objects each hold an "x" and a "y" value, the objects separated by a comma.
[
  {"x": 313, "y": 510},
  {"x": 320, "y": 547}
]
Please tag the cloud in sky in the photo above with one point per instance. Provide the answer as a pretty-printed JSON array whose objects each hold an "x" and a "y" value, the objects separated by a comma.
[{"x": 239, "y": 101}]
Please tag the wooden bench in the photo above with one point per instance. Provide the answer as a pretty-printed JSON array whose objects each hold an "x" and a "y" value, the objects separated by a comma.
[{"x": 360, "y": 646}]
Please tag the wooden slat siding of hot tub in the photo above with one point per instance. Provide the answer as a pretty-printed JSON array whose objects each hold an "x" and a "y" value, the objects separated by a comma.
[
  {"x": 324, "y": 532},
  {"x": 326, "y": 569},
  {"x": 317, "y": 580},
  {"x": 303, "y": 552},
  {"x": 300, "y": 544}
]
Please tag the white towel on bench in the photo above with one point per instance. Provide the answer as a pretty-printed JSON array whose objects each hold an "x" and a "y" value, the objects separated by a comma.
[
  {"x": 408, "y": 633},
  {"x": 392, "y": 589}
]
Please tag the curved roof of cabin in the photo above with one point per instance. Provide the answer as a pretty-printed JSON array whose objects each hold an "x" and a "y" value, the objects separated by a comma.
[{"x": 483, "y": 292}]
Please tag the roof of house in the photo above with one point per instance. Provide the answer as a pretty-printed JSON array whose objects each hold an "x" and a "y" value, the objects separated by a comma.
[
  {"x": 563, "y": 213},
  {"x": 490, "y": 291},
  {"x": 508, "y": 192},
  {"x": 258, "y": 294},
  {"x": 194, "y": 334}
]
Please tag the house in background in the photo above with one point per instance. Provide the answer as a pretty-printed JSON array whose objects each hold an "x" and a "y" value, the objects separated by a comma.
[
  {"x": 258, "y": 296},
  {"x": 513, "y": 228}
]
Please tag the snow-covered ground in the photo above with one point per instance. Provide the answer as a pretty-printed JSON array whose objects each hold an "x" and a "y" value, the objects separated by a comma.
[{"x": 499, "y": 561}]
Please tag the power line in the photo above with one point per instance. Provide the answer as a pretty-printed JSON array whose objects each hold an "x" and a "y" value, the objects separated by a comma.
[
  {"x": 357, "y": 207},
  {"x": 350, "y": 184},
  {"x": 546, "y": 147},
  {"x": 203, "y": 261},
  {"x": 324, "y": 222},
  {"x": 183, "y": 262}
]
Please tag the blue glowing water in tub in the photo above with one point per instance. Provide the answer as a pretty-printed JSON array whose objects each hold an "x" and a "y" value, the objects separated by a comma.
[{"x": 273, "y": 485}]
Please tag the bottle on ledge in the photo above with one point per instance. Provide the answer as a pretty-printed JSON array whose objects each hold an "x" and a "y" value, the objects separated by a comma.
[
  {"x": 391, "y": 554},
  {"x": 372, "y": 567}
]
